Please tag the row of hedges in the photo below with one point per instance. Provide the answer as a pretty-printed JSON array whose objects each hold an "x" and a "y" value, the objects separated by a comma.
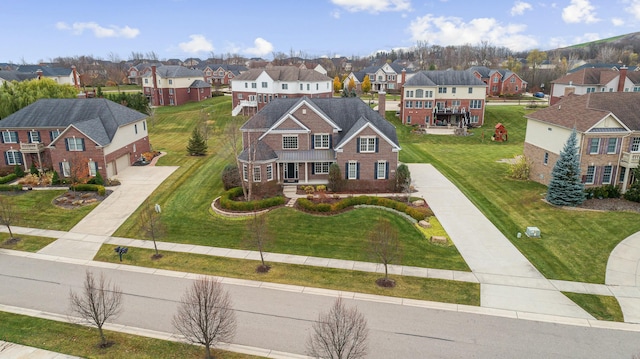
[
  {"x": 227, "y": 201},
  {"x": 8, "y": 178},
  {"x": 417, "y": 213},
  {"x": 606, "y": 191},
  {"x": 10, "y": 187},
  {"x": 89, "y": 188}
]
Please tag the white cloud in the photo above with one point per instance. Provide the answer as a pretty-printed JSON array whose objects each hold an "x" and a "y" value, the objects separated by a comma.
[
  {"x": 374, "y": 6},
  {"x": 197, "y": 44},
  {"x": 580, "y": 11},
  {"x": 617, "y": 21},
  {"x": 335, "y": 14},
  {"x": 633, "y": 8},
  {"x": 261, "y": 47},
  {"x": 77, "y": 28},
  {"x": 520, "y": 7},
  {"x": 454, "y": 31}
]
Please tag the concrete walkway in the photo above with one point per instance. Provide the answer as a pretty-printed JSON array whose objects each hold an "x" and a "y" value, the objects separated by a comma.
[
  {"x": 508, "y": 280},
  {"x": 17, "y": 351},
  {"x": 84, "y": 240},
  {"x": 623, "y": 276}
]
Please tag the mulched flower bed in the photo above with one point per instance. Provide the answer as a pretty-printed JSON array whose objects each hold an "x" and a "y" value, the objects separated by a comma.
[
  {"x": 77, "y": 199},
  {"x": 611, "y": 204}
]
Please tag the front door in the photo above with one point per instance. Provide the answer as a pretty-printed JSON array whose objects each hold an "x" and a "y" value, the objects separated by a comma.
[{"x": 291, "y": 171}]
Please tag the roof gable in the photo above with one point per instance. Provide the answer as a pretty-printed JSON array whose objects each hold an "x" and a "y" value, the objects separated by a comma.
[{"x": 360, "y": 126}]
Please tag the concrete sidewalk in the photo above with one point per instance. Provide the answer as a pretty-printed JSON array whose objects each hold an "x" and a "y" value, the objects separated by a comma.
[
  {"x": 84, "y": 240},
  {"x": 623, "y": 275},
  {"x": 12, "y": 350},
  {"x": 512, "y": 282}
]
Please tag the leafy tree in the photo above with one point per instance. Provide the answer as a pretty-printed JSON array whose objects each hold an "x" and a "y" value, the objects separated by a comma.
[
  {"x": 340, "y": 333},
  {"x": 352, "y": 84},
  {"x": 565, "y": 186},
  {"x": 135, "y": 101},
  {"x": 366, "y": 84},
  {"x": 337, "y": 85},
  {"x": 16, "y": 95},
  {"x": 231, "y": 177},
  {"x": 197, "y": 145},
  {"x": 98, "y": 302},
  {"x": 512, "y": 64},
  {"x": 205, "y": 315},
  {"x": 633, "y": 192},
  {"x": 335, "y": 178},
  {"x": 534, "y": 59}
]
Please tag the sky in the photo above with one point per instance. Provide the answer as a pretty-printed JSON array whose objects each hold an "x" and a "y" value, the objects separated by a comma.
[{"x": 35, "y": 30}]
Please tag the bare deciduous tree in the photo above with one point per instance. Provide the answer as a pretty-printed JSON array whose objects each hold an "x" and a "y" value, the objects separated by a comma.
[
  {"x": 205, "y": 315},
  {"x": 384, "y": 244},
  {"x": 151, "y": 225},
  {"x": 340, "y": 333},
  {"x": 98, "y": 302},
  {"x": 259, "y": 237},
  {"x": 8, "y": 214}
]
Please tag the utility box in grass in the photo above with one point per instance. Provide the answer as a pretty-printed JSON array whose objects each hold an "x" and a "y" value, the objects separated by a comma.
[{"x": 532, "y": 232}]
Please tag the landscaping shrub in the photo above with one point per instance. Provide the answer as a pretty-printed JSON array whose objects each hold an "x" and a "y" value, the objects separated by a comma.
[
  {"x": 417, "y": 213},
  {"x": 335, "y": 178},
  {"x": 86, "y": 187},
  {"x": 97, "y": 179},
  {"x": 230, "y": 177},
  {"x": 8, "y": 178},
  {"x": 227, "y": 201},
  {"x": 55, "y": 178},
  {"x": 18, "y": 171},
  {"x": 403, "y": 178},
  {"x": 606, "y": 191},
  {"x": 10, "y": 187},
  {"x": 30, "y": 180},
  {"x": 33, "y": 169},
  {"x": 520, "y": 168}
]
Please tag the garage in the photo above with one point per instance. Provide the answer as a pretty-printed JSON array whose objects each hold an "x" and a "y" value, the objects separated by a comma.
[{"x": 122, "y": 163}]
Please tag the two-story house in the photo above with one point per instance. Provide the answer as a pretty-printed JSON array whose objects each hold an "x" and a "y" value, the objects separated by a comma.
[
  {"x": 221, "y": 74},
  {"x": 296, "y": 140},
  {"x": 255, "y": 88},
  {"x": 608, "y": 131},
  {"x": 135, "y": 73},
  {"x": 61, "y": 75},
  {"x": 387, "y": 77},
  {"x": 173, "y": 85},
  {"x": 57, "y": 133},
  {"x": 443, "y": 98},
  {"x": 584, "y": 80},
  {"x": 499, "y": 81}
]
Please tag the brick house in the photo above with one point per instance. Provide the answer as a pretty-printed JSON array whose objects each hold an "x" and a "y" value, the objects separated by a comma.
[
  {"x": 296, "y": 140},
  {"x": 57, "y": 133},
  {"x": 221, "y": 74},
  {"x": 499, "y": 81},
  {"x": 387, "y": 77},
  {"x": 609, "y": 78},
  {"x": 174, "y": 85},
  {"x": 443, "y": 98},
  {"x": 608, "y": 131},
  {"x": 135, "y": 73},
  {"x": 254, "y": 89}
]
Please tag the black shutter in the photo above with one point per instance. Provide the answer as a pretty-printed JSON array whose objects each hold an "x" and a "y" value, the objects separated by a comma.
[
  {"x": 2, "y": 138},
  {"x": 61, "y": 169},
  {"x": 357, "y": 170},
  {"x": 313, "y": 141},
  {"x": 358, "y": 145},
  {"x": 82, "y": 142},
  {"x": 375, "y": 170},
  {"x": 19, "y": 159},
  {"x": 66, "y": 143},
  {"x": 6, "y": 158},
  {"x": 386, "y": 170},
  {"x": 346, "y": 170},
  {"x": 376, "y": 139},
  {"x": 330, "y": 141},
  {"x": 313, "y": 168}
]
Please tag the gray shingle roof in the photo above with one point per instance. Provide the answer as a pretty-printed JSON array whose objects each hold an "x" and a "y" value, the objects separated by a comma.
[
  {"x": 200, "y": 84},
  {"x": 16, "y": 76},
  {"x": 284, "y": 73},
  {"x": 444, "y": 78},
  {"x": 97, "y": 118},
  {"x": 175, "y": 71},
  {"x": 347, "y": 113},
  {"x": 262, "y": 153},
  {"x": 46, "y": 70}
]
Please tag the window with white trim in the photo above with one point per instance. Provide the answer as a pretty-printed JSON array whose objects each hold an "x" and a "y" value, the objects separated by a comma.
[
  {"x": 418, "y": 104},
  {"x": 606, "y": 174},
  {"x": 352, "y": 170},
  {"x": 409, "y": 93},
  {"x": 428, "y": 104},
  {"x": 66, "y": 169},
  {"x": 474, "y": 119},
  {"x": 321, "y": 141},
  {"x": 13, "y": 157},
  {"x": 245, "y": 172},
  {"x": 408, "y": 104},
  {"x": 74, "y": 144},
  {"x": 367, "y": 144},
  {"x": 409, "y": 119},
  {"x": 9, "y": 137},
  {"x": 442, "y": 90},
  {"x": 612, "y": 145},
  {"x": 428, "y": 93},
  {"x": 92, "y": 168},
  {"x": 257, "y": 174},
  {"x": 495, "y": 79},
  {"x": 264, "y": 85},
  {"x": 419, "y": 93},
  {"x": 635, "y": 144},
  {"x": 546, "y": 158},
  {"x": 34, "y": 136},
  {"x": 170, "y": 82},
  {"x": 589, "y": 177},
  {"x": 54, "y": 134},
  {"x": 470, "y": 90},
  {"x": 253, "y": 85},
  {"x": 269, "y": 172},
  {"x": 321, "y": 168},
  {"x": 594, "y": 145},
  {"x": 453, "y": 89},
  {"x": 285, "y": 86},
  {"x": 290, "y": 142},
  {"x": 475, "y": 104},
  {"x": 381, "y": 170}
]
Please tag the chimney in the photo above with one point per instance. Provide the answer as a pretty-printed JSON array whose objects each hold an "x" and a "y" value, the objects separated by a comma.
[
  {"x": 622, "y": 78},
  {"x": 39, "y": 73},
  {"x": 75, "y": 76},
  {"x": 403, "y": 78},
  {"x": 154, "y": 96},
  {"x": 382, "y": 102}
]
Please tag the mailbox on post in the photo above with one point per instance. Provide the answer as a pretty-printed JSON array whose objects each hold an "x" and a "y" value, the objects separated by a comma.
[{"x": 121, "y": 251}]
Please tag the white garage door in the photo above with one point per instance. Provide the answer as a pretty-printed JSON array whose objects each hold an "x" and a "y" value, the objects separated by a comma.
[{"x": 122, "y": 163}]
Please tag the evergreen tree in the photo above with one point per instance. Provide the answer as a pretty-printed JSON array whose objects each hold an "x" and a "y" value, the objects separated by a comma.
[
  {"x": 565, "y": 187},
  {"x": 197, "y": 145}
]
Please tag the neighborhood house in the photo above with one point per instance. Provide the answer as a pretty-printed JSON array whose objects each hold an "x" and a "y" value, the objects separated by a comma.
[
  {"x": 296, "y": 141},
  {"x": 66, "y": 134}
]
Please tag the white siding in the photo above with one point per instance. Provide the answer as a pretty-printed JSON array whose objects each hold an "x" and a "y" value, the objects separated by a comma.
[
  {"x": 125, "y": 136},
  {"x": 549, "y": 137}
]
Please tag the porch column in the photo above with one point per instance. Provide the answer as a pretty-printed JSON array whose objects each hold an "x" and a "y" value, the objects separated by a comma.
[
  {"x": 278, "y": 171},
  {"x": 306, "y": 179},
  {"x": 24, "y": 161},
  {"x": 626, "y": 179}
]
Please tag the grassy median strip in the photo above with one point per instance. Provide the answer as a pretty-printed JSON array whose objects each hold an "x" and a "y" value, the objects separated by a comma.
[
  {"x": 439, "y": 290},
  {"x": 26, "y": 243},
  {"x": 78, "y": 340},
  {"x": 602, "y": 307}
]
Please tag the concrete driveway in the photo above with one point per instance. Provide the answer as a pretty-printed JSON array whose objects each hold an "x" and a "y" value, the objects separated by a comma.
[{"x": 84, "y": 240}]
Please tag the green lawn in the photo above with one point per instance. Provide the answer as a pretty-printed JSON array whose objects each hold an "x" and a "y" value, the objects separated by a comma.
[
  {"x": 187, "y": 195},
  {"x": 36, "y": 210},
  {"x": 26, "y": 243},
  {"x": 338, "y": 279},
  {"x": 574, "y": 245},
  {"x": 77, "y": 340},
  {"x": 602, "y": 307}
]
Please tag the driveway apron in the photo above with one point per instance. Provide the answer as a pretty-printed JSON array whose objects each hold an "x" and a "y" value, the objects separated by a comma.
[
  {"x": 623, "y": 276},
  {"x": 84, "y": 240},
  {"x": 507, "y": 279}
]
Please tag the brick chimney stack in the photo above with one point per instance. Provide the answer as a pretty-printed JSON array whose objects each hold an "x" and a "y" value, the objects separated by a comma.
[
  {"x": 75, "y": 77},
  {"x": 155, "y": 96},
  {"x": 403, "y": 77},
  {"x": 39, "y": 73},
  {"x": 622, "y": 78},
  {"x": 382, "y": 102}
]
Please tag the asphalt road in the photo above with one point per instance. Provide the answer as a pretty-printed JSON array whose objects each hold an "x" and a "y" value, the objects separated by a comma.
[{"x": 280, "y": 320}]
